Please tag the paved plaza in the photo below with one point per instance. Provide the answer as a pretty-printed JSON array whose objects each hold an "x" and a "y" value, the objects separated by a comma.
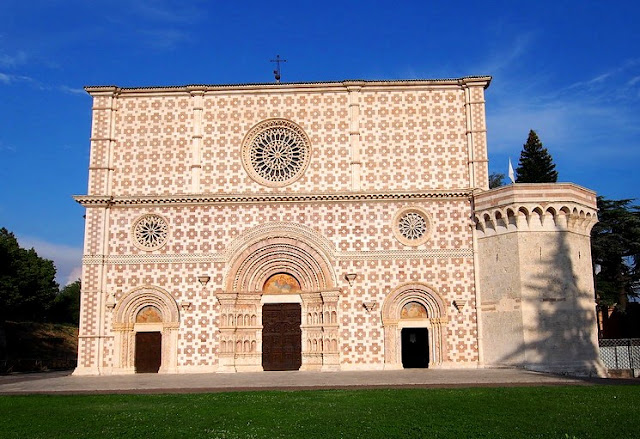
[{"x": 64, "y": 383}]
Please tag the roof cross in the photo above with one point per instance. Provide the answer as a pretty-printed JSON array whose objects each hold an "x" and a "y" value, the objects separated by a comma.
[{"x": 276, "y": 72}]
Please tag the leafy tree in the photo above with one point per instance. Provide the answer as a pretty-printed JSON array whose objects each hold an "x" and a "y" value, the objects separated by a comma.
[
  {"x": 535, "y": 164},
  {"x": 66, "y": 305},
  {"x": 615, "y": 246},
  {"x": 496, "y": 180},
  {"x": 27, "y": 281}
]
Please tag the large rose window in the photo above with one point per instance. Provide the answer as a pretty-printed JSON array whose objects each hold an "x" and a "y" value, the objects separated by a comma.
[{"x": 276, "y": 152}]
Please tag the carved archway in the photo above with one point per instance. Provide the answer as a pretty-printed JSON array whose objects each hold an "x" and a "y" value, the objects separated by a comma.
[
  {"x": 127, "y": 322},
  {"x": 433, "y": 318},
  {"x": 256, "y": 263},
  {"x": 295, "y": 253}
]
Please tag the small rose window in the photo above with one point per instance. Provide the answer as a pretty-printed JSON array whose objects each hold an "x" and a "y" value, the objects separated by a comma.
[
  {"x": 150, "y": 232},
  {"x": 412, "y": 226}
]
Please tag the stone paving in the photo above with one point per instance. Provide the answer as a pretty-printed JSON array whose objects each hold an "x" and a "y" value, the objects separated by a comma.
[{"x": 64, "y": 383}]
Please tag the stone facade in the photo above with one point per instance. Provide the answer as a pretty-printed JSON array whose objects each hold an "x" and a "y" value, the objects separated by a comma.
[{"x": 365, "y": 202}]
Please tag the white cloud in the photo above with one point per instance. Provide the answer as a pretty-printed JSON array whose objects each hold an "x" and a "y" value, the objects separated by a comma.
[
  {"x": 9, "y": 78},
  {"x": 12, "y": 60},
  {"x": 504, "y": 58},
  {"x": 72, "y": 90},
  {"x": 4, "y": 147},
  {"x": 67, "y": 259},
  {"x": 164, "y": 38},
  {"x": 590, "y": 117},
  {"x": 166, "y": 11}
]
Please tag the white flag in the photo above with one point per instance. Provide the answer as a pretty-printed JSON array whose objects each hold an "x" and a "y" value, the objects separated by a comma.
[{"x": 512, "y": 176}]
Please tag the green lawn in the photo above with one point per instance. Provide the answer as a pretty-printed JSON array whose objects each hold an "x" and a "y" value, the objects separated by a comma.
[{"x": 557, "y": 412}]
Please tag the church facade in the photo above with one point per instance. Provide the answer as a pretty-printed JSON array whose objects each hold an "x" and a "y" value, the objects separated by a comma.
[{"x": 323, "y": 226}]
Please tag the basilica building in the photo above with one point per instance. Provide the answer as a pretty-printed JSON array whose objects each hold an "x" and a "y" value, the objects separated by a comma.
[{"x": 323, "y": 226}]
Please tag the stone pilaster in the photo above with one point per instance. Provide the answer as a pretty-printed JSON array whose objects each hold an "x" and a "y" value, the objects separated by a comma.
[
  {"x": 312, "y": 336},
  {"x": 476, "y": 132},
  {"x": 354, "y": 88},
  {"x": 330, "y": 330},
  {"x": 197, "y": 94}
]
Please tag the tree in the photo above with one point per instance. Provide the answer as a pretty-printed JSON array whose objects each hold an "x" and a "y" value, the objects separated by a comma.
[
  {"x": 535, "y": 164},
  {"x": 27, "y": 281},
  {"x": 496, "y": 180},
  {"x": 66, "y": 305},
  {"x": 615, "y": 247}
]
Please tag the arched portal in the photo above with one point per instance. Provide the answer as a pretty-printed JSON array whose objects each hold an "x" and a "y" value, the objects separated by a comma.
[
  {"x": 146, "y": 322},
  {"x": 413, "y": 317},
  {"x": 286, "y": 280}
]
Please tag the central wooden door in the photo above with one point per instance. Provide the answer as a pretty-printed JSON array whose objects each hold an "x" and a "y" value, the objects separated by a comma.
[
  {"x": 148, "y": 352},
  {"x": 281, "y": 336}
]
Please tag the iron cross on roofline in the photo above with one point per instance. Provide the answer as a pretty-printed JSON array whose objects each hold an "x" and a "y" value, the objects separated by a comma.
[{"x": 276, "y": 72}]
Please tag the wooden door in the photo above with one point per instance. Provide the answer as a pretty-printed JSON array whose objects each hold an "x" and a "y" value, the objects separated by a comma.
[
  {"x": 148, "y": 352},
  {"x": 415, "y": 347},
  {"x": 281, "y": 336}
]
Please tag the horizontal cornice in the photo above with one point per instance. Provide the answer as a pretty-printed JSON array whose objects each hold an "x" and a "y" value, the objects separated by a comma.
[
  {"x": 208, "y": 199},
  {"x": 465, "y": 81},
  {"x": 223, "y": 257}
]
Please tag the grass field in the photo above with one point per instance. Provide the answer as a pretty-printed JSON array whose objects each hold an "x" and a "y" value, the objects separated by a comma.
[{"x": 525, "y": 412}]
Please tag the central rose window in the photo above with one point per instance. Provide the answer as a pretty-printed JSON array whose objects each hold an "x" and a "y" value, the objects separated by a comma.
[{"x": 276, "y": 152}]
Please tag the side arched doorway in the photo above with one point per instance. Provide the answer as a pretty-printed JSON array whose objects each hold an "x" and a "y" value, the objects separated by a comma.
[
  {"x": 145, "y": 323},
  {"x": 413, "y": 318}
]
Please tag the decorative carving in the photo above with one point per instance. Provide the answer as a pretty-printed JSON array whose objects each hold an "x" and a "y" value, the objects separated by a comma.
[
  {"x": 436, "y": 253},
  {"x": 111, "y": 301},
  {"x": 276, "y": 152},
  {"x": 370, "y": 306},
  {"x": 150, "y": 232},
  {"x": 204, "y": 280},
  {"x": 103, "y": 201},
  {"x": 350, "y": 277},
  {"x": 459, "y": 304}
]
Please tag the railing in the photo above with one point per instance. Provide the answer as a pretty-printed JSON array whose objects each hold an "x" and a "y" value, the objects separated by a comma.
[
  {"x": 620, "y": 353},
  {"x": 36, "y": 364}
]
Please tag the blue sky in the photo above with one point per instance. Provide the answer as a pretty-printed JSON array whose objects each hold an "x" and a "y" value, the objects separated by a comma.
[{"x": 568, "y": 69}]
